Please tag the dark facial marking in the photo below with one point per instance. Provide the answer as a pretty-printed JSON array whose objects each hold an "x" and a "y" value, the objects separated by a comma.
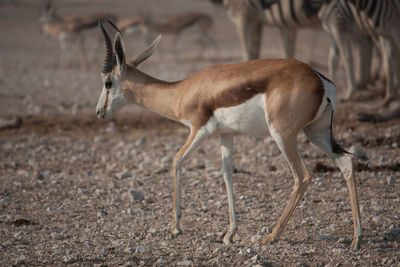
[{"x": 108, "y": 84}]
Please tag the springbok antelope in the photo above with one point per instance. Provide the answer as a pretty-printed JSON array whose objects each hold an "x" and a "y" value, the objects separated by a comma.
[
  {"x": 279, "y": 96},
  {"x": 176, "y": 25},
  {"x": 68, "y": 30}
]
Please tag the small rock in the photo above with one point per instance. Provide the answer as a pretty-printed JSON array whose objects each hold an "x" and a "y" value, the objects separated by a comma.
[
  {"x": 250, "y": 251},
  {"x": 100, "y": 192},
  {"x": 101, "y": 214},
  {"x": 255, "y": 238},
  {"x": 136, "y": 195},
  {"x": 123, "y": 175},
  {"x": 390, "y": 180},
  {"x": 20, "y": 260},
  {"x": 392, "y": 235},
  {"x": 116, "y": 199},
  {"x": 256, "y": 258},
  {"x": 131, "y": 211},
  {"x": 141, "y": 249},
  {"x": 82, "y": 191},
  {"x": 376, "y": 219},
  {"x": 185, "y": 263},
  {"x": 324, "y": 237},
  {"x": 162, "y": 261},
  {"x": 344, "y": 240},
  {"x": 4, "y": 202},
  {"x": 57, "y": 236},
  {"x": 69, "y": 259},
  {"x": 10, "y": 123}
]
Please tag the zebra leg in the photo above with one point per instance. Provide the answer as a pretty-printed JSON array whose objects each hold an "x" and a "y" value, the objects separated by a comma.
[
  {"x": 288, "y": 38},
  {"x": 249, "y": 31},
  {"x": 363, "y": 60},
  {"x": 333, "y": 58},
  {"x": 388, "y": 52},
  {"x": 344, "y": 45}
]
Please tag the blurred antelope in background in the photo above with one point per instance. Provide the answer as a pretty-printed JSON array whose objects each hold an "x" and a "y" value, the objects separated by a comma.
[
  {"x": 280, "y": 97},
  {"x": 287, "y": 16},
  {"x": 69, "y": 30},
  {"x": 176, "y": 25}
]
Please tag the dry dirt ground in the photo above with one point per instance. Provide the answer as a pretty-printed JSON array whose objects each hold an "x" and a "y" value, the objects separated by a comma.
[{"x": 78, "y": 191}]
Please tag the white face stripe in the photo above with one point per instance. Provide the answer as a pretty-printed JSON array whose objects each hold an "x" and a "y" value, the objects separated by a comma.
[{"x": 111, "y": 99}]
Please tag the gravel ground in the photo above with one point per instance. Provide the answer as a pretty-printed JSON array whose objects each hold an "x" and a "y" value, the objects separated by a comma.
[{"x": 78, "y": 191}]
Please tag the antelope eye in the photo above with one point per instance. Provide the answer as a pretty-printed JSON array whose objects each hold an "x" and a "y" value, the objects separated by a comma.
[{"x": 108, "y": 84}]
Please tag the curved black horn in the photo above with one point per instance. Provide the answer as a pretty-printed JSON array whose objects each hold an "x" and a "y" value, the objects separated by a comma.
[
  {"x": 113, "y": 25},
  {"x": 109, "y": 61}
]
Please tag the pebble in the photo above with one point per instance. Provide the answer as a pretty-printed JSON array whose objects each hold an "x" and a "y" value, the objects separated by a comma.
[
  {"x": 250, "y": 251},
  {"x": 162, "y": 261},
  {"x": 185, "y": 263},
  {"x": 136, "y": 195},
  {"x": 324, "y": 237},
  {"x": 69, "y": 259},
  {"x": 256, "y": 258},
  {"x": 255, "y": 238},
  {"x": 390, "y": 180},
  {"x": 392, "y": 235},
  {"x": 101, "y": 214},
  {"x": 20, "y": 260},
  {"x": 100, "y": 192},
  {"x": 57, "y": 236},
  {"x": 141, "y": 249},
  {"x": 123, "y": 175}
]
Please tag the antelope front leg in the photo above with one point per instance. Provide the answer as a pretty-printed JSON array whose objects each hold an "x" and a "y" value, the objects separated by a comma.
[
  {"x": 227, "y": 169},
  {"x": 176, "y": 209},
  {"x": 194, "y": 140}
]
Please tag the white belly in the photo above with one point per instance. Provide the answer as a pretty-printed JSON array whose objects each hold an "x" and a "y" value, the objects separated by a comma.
[{"x": 247, "y": 118}]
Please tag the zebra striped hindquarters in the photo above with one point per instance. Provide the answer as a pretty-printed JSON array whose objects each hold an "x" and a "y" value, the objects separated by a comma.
[{"x": 354, "y": 26}]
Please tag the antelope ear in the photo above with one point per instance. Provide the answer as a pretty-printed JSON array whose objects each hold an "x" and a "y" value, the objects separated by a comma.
[
  {"x": 147, "y": 52},
  {"x": 120, "y": 53}
]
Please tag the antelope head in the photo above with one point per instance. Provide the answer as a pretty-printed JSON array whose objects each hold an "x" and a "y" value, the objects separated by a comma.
[
  {"x": 116, "y": 87},
  {"x": 48, "y": 13}
]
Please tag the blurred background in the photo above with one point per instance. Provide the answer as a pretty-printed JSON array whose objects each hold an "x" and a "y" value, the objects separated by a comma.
[{"x": 34, "y": 81}]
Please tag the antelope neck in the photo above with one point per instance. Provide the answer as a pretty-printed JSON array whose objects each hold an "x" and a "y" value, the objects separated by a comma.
[{"x": 157, "y": 95}]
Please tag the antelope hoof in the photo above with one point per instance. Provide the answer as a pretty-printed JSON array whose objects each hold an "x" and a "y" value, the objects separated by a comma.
[
  {"x": 356, "y": 243},
  {"x": 175, "y": 232},
  {"x": 270, "y": 239},
  {"x": 385, "y": 103},
  {"x": 228, "y": 238}
]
